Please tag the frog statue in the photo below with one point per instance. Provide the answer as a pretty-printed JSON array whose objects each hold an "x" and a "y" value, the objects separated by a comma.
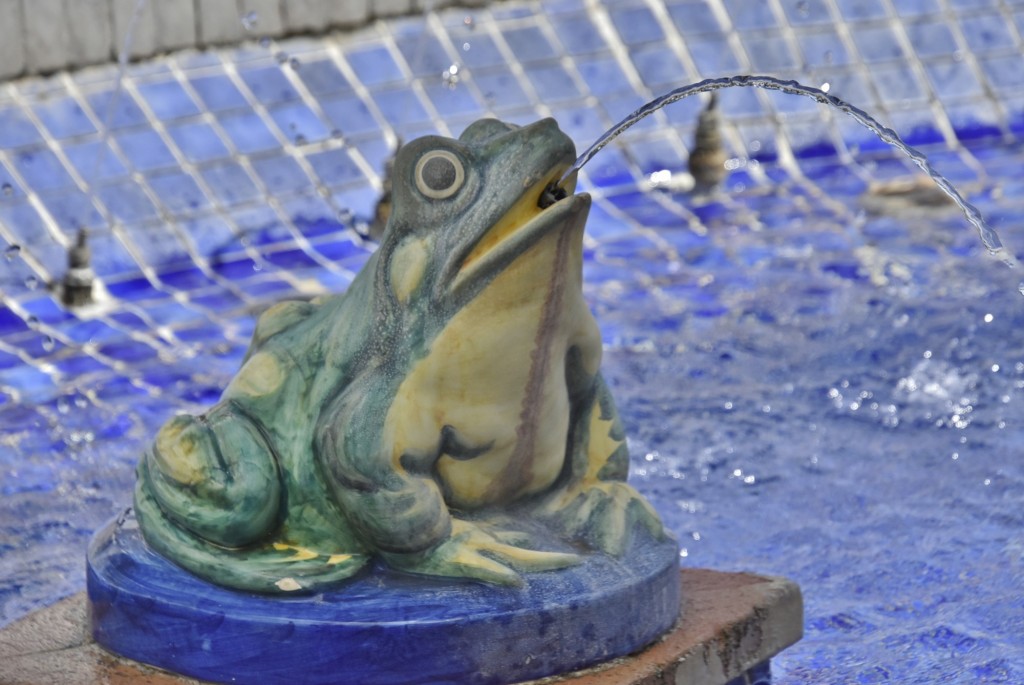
[{"x": 453, "y": 390}]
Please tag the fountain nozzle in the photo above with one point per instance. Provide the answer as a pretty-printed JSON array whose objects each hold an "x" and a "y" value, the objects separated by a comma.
[
  {"x": 707, "y": 160},
  {"x": 551, "y": 194},
  {"x": 76, "y": 288}
]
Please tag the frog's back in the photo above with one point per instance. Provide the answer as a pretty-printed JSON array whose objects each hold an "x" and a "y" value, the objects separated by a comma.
[{"x": 320, "y": 340}]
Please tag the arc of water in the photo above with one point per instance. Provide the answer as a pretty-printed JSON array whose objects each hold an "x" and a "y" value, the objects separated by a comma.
[{"x": 988, "y": 235}]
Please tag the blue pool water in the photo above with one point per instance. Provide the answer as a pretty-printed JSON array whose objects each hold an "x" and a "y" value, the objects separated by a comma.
[{"x": 822, "y": 377}]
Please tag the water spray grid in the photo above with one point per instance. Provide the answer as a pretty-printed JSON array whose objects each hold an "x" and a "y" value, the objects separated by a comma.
[{"x": 237, "y": 178}]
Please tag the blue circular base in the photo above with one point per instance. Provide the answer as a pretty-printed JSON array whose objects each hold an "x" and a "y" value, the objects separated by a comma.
[{"x": 382, "y": 627}]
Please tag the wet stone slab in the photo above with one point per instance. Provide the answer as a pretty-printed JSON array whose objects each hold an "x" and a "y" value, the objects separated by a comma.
[{"x": 732, "y": 624}]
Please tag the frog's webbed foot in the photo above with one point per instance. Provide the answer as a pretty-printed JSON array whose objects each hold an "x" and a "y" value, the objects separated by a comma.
[
  {"x": 472, "y": 552},
  {"x": 604, "y": 514}
]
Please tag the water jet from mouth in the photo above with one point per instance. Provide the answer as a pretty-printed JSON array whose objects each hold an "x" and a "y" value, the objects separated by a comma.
[{"x": 989, "y": 238}]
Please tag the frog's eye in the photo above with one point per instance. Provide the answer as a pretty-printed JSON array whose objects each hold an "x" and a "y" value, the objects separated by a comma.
[{"x": 439, "y": 174}]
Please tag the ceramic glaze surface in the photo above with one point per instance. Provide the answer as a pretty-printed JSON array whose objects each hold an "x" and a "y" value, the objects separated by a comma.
[{"x": 458, "y": 376}]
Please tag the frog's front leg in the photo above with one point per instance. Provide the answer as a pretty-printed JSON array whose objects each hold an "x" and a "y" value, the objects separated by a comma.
[
  {"x": 388, "y": 490},
  {"x": 594, "y": 502}
]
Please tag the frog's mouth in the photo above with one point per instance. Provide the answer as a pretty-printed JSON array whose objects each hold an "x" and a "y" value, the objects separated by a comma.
[{"x": 540, "y": 208}]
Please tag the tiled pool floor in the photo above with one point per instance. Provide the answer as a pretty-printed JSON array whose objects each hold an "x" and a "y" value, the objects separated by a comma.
[{"x": 821, "y": 372}]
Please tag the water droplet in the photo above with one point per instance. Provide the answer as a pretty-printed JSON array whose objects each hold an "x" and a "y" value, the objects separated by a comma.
[
  {"x": 802, "y": 8},
  {"x": 465, "y": 47},
  {"x": 294, "y": 63},
  {"x": 7, "y": 189},
  {"x": 281, "y": 57},
  {"x": 48, "y": 344},
  {"x": 63, "y": 405},
  {"x": 988, "y": 318},
  {"x": 31, "y": 282},
  {"x": 337, "y": 134},
  {"x": 450, "y": 76},
  {"x": 256, "y": 266},
  {"x": 345, "y": 215},
  {"x": 81, "y": 402},
  {"x": 300, "y": 139},
  {"x": 250, "y": 20},
  {"x": 660, "y": 178},
  {"x": 12, "y": 251},
  {"x": 32, "y": 321},
  {"x": 826, "y": 86},
  {"x": 265, "y": 42},
  {"x": 468, "y": 21}
]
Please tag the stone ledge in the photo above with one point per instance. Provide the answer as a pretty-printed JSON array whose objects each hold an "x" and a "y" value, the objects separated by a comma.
[
  {"x": 43, "y": 36},
  {"x": 732, "y": 624}
]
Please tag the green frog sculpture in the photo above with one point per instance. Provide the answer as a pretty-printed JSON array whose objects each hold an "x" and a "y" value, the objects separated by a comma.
[{"x": 452, "y": 390}]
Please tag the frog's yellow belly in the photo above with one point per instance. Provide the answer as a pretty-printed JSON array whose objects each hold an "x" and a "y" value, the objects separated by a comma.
[{"x": 514, "y": 335}]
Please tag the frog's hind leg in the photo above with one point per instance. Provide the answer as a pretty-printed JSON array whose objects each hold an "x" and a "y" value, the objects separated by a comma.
[
  {"x": 215, "y": 475},
  {"x": 209, "y": 497},
  {"x": 266, "y": 567}
]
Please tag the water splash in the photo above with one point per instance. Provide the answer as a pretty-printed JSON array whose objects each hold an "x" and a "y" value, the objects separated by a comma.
[{"x": 988, "y": 235}]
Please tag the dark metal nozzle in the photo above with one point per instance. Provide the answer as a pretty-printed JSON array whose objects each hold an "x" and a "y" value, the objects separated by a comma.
[
  {"x": 707, "y": 160},
  {"x": 552, "y": 193},
  {"x": 76, "y": 288}
]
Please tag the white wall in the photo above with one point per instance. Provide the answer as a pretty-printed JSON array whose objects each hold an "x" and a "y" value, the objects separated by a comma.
[{"x": 41, "y": 36}]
